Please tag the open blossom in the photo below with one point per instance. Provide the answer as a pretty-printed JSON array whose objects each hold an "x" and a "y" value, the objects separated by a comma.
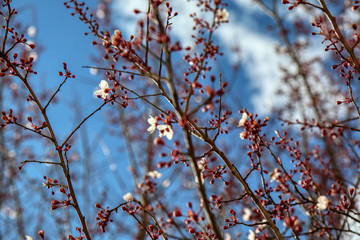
[
  {"x": 154, "y": 174},
  {"x": 227, "y": 236},
  {"x": 152, "y": 121},
  {"x": 274, "y": 175},
  {"x": 221, "y": 15},
  {"x": 322, "y": 203},
  {"x": 166, "y": 183},
  {"x": 104, "y": 89},
  {"x": 28, "y": 238},
  {"x": 251, "y": 235},
  {"x": 201, "y": 164},
  {"x": 247, "y": 214},
  {"x": 127, "y": 197},
  {"x": 243, "y": 135},
  {"x": 165, "y": 130},
  {"x": 243, "y": 120}
]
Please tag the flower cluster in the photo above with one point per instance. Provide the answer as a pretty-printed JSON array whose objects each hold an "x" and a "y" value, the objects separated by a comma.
[{"x": 164, "y": 129}]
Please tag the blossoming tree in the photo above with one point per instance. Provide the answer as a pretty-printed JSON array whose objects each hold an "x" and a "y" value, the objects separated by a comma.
[{"x": 196, "y": 166}]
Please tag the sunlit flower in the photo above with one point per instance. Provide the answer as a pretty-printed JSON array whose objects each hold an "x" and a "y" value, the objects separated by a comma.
[
  {"x": 31, "y": 31},
  {"x": 243, "y": 135},
  {"x": 322, "y": 203},
  {"x": 261, "y": 227},
  {"x": 166, "y": 183},
  {"x": 104, "y": 91},
  {"x": 227, "y": 236},
  {"x": 221, "y": 15},
  {"x": 247, "y": 214},
  {"x": 154, "y": 174},
  {"x": 165, "y": 130},
  {"x": 28, "y": 238},
  {"x": 274, "y": 175},
  {"x": 243, "y": 120},
  {"x": 127, "y": 197},
  {"x": 152, "y": 121},
  {"x": 202, "y": 163},
  {"x": 251, "y": 235}
]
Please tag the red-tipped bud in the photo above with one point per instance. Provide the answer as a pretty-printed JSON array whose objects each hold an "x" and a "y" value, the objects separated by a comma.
[
  {"x": 41, "y": 234},
  {"x": 177, "y": 213},
  {"x": 159, "y": 141},
  {"x": 351, "y": 191}
]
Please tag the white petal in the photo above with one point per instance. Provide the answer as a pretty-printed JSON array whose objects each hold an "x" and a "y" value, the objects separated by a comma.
[
  {"x": 151, "y": 120},
  {"x": 165, "y": 130},
  {"x": 127, "y": 197},
  {"x": 103, "y": 85},
  {"x": 151, "y": 129},
  {"x": 98, "y": 92},
  {"x": 169, "y": 134}
]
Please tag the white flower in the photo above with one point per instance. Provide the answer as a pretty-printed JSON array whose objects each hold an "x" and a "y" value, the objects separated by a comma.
[
  {"x": 31, "y": 31},
  {"x": 154, "y": 174},
  {"x": 152, "y": 121},
  {"x": 243, "y": 120},
  {"x": 322, "y": 203},
  {"x": 28, "y": 238},
  {"x": 221, "y": 15},
  {"x": 247, "y": 214},
  {"x": 127, "y": 197},
  {"x": 243, "y": 135},
  {"x": 166, "y": 183},
  {"x": 274, "y": 175},
  {"x": 201, "y": 164},
  {"x": 104, "y": 91},
  {"x": 251, "y": 235},
  {"x": 165, "y": 130},
  {"x": 227, "y": 236},
  {"x": 261, "y": 227}
]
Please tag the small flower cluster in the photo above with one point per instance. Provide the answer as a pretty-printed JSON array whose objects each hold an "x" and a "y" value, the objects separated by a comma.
[
  {"x": 164, "y": 129},
  {"x": 55, "y": 204},
  {"x": 103, "y": 217},
  {"x": 8, "y": 118}
]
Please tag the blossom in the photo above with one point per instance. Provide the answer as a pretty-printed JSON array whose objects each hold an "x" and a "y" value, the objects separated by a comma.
[
  {"x": 201, "y": 164},
  {"x": 165, "y": 130},
  {"x": 28, "y": 237},
  {"x": 104, "y": 91},
  {"x": 154, "y": 174},
  {"x": 152, "y": 121},
  {"x": 243, "y": 135},
  {"x": 166, "y": 183},
  {"x": 274, "y": 175},
  {"x": 322, "y": 203},
  {"x": 227, "y": 236},
  {"x": 243, "y": 120},
  {"x": 221, "y": 15},
  {"x": 247, "y": 214},
  {"x": 251, "y": 236},
  {"x": 127, "y": 197},
  {"x": 31, "y": 31}
]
